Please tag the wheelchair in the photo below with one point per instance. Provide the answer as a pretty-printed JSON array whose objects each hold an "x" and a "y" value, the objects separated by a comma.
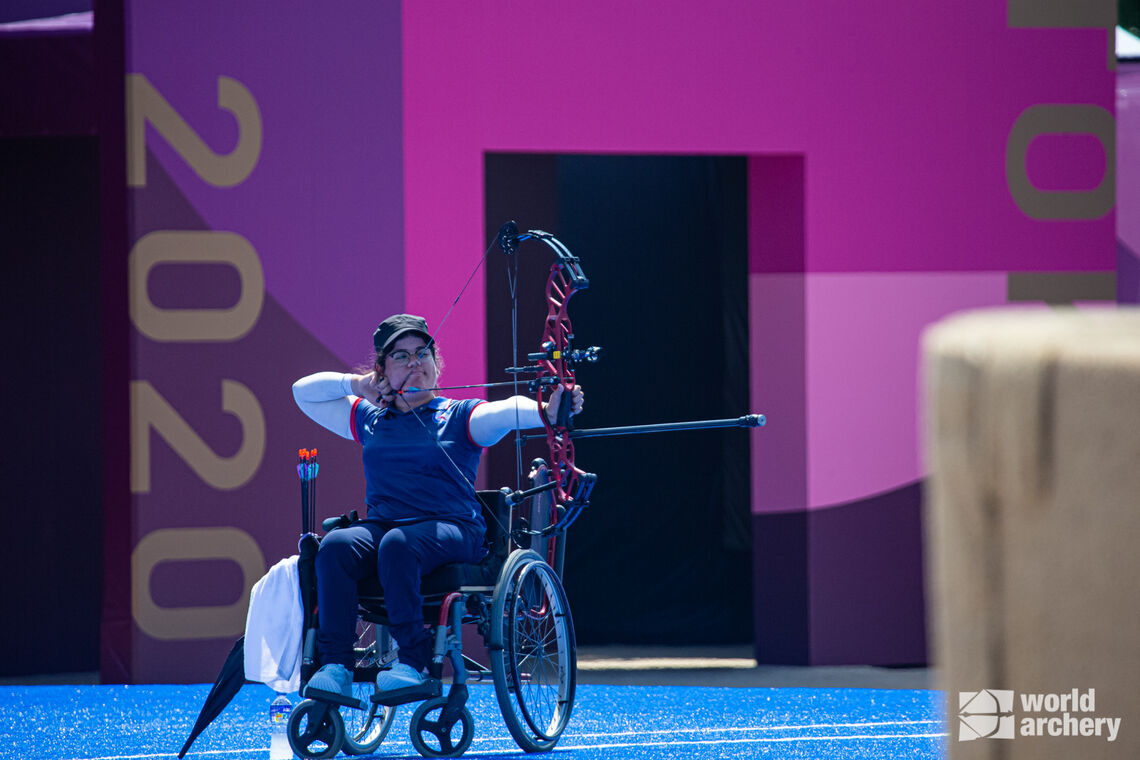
[{"x": 515, "y": 601}]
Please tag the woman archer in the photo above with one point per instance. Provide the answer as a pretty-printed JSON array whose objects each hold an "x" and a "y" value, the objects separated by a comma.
[{"x": 421, "y": 453}]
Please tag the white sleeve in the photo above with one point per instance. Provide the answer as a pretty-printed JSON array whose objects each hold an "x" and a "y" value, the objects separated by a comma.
[
  {"x": 491, "y": 420},
  {"x": 326, "y": 398}
]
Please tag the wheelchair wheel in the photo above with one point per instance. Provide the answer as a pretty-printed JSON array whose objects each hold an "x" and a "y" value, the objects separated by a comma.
[
  {"x": 533, "y": 652},
  {"x": 365, "y": 730},
  {"x": 433, "y": 739},
  {"x": 315, "y": 730}
]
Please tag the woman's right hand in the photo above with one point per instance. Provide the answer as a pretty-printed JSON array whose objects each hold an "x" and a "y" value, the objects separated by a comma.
[{"x": 374, "y": 388}]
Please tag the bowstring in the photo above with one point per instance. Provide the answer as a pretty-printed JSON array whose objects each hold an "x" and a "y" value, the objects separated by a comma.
[
  {"x": 442, "y": 322},
  {"x": 463, "y": 479},
  {"x": 458, "y": 474}
]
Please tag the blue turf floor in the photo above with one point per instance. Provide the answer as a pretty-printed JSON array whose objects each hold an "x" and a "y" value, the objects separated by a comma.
[{"x": 137, "y": 722}]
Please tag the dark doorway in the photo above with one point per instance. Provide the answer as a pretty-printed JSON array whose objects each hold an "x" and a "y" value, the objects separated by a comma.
[
  {"x": 664, "y": 553},
  {"x": 49, "y": 228}
]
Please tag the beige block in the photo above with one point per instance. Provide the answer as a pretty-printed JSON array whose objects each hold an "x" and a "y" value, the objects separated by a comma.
[{"x": 1033, "y": 520}]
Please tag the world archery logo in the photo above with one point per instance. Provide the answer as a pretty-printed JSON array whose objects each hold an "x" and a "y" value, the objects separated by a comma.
[{"x": 985, "y": 714}]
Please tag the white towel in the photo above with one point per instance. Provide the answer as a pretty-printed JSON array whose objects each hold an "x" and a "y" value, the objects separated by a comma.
[{"x": 273, "y": 628}]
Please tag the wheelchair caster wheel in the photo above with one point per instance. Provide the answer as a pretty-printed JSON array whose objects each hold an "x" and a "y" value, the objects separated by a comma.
[
  {"x": 433, "y": 739},
  {"x": 315, "y": 730}
]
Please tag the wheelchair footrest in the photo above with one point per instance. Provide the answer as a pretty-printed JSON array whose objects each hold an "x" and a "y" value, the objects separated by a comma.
[
  {"x": 334, "y": 698},
  {"x": 429, "y": 689}
]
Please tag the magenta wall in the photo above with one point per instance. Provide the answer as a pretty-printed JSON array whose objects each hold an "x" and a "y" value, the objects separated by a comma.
[
  {"x": 1128, "y": 181},
  {"x": 881, "y": 202},
  {"x": 878, "y": 143}
]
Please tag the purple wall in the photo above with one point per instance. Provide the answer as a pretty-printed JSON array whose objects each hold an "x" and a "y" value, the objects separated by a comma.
[{"x": 265, "y": 229}]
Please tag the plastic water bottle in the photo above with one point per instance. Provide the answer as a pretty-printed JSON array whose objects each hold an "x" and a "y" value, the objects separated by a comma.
[{"x": 279, "y": 712}]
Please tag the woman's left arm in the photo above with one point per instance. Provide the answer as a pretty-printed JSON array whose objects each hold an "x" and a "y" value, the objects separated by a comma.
[{"x": 492, "y": 420}]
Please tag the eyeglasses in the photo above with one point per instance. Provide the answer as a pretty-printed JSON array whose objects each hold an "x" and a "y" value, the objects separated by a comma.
[{"x": 402, "y": 356}]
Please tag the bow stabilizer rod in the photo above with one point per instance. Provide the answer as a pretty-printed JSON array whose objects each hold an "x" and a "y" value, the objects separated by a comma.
[{"x": 747, "y": 421}]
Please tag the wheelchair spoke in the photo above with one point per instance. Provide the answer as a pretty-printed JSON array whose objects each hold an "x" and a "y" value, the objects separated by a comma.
[
  {"x": 541, "y": 641},
  {"x": 444, "y": 739}
]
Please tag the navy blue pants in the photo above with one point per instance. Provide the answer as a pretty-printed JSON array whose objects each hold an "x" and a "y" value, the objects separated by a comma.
[{"x": 399, "y": 556}]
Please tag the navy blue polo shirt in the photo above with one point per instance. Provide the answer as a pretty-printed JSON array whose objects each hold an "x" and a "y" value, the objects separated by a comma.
[{"x": 408, "y": 475}]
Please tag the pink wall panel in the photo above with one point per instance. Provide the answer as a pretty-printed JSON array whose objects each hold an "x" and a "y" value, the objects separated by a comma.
[
  {"x": 1128, "y": 154},
  {"x": 863, "y": 334},
  {"x": 777, "y": 363}
]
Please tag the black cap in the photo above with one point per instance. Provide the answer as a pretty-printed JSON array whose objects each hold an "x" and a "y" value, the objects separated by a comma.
[{"x": 395, "y": 326}]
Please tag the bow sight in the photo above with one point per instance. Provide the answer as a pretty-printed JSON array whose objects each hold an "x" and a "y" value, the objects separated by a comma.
[
  {"x": 550, "y": 353},
  {"x": 575, "y": 356}
]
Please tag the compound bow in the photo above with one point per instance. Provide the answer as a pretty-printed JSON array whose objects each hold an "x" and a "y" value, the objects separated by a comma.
[{"x": 553, "y": 366}]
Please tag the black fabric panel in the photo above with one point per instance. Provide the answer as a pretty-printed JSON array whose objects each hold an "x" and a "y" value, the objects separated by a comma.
[
  {"x": 49, "y": 230},
  {"x": 664, "y": 553},
  {"x": 781, "y": 578},
  {"x": 523, "y": 188},
  {"x": 111, "y": 61},
  {"x": 48, "y": 85},
  {"x": 22, "y": 10}
]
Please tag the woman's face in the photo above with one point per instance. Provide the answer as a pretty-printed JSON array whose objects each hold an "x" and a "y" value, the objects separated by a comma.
[{"x": 411, "y": 364}]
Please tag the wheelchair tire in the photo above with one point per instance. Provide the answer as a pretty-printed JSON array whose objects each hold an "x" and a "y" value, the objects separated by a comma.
[
  {"x": 315, "y": 742},
  {"x": 533, "y": 652},
  {"x": 365, "y": 730},
  {"x": 434, "y": 740}
]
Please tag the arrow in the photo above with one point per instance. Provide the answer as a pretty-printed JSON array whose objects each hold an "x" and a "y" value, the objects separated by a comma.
[{"x": 501, "y": 384}]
